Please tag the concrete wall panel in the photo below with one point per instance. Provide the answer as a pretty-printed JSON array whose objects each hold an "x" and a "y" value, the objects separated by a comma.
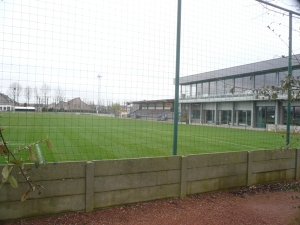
[
  {"x": 138, "y": 180},
  {"x": 202, "y": 186},
  {"x": 263, "y": 155},
  {"x": 127, "y": 196},
  {"x": 54, "y": 171},
  {"x": 204, "y": 160},
  {"x": 115, "y": 167},
  {"x": 273, "y": 176},
  {"x": 53, "y": 188},
  {"x": 273, "y": 165},
  {"x": 204, "y": 173},
  {"x": 43, "y": 206},
  {"x": 83, "y": 186}
]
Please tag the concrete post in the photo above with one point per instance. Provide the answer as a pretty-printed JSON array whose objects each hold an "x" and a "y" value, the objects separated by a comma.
[
  {"x": 89, "y": 187},
  {"x": 249, "y": 171},
  {"x": 297, "y": 164},
  {"x": 183, "y": 176}
]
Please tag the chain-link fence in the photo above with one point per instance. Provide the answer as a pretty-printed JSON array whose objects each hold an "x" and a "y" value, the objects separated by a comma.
[{"x": 98, "y": 77}]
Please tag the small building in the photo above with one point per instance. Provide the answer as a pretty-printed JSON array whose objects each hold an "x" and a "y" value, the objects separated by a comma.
[
  {"x": 74, "y": 105},
  {"x": 6, "y": 103}
]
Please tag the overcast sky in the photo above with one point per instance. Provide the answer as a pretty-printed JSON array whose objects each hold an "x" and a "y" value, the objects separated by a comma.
[{"x": 132, "y": 43}]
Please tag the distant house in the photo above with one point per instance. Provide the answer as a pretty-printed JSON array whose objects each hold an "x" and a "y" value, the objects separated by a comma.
[
  {"x": 74, "y": 105},
  {"x": 6, "y": 103}
]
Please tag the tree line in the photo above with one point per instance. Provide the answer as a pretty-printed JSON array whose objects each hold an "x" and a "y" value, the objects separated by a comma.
[{"x": 41, "y": 95}]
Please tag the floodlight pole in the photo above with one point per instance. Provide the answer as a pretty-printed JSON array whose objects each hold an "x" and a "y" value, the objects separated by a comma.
[
  {"x": 99, "y": 87},
  {"x": 175, "y": 130},
  {"x": 288, "y": 120}
]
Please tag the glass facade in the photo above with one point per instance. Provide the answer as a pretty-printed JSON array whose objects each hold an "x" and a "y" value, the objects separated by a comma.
[
  {"x": 205, "y": 89},
  {"x": 228, "y": 85},
  {"x": 282, "y": 76},
  {"x": 294, "y": 116},
  {"x": 209, "y": 116},
  {"x": 259, "y": 81},
  {"x": 220, "y": 87},
  {"x": 193, "y": 90},
  {"x": 271, "y": 79},
  {"x": 243, "y": 84},
  {"x": 185, "y": 91},
  {"x": 199, "y": 89},
  {"x": 265, "y": 115},
  {"x": 243, "y": 117},
  {"x": 212, "y": 88},
  {"x": 225, "y": 117},
  {"x": 196, "y": 114}
]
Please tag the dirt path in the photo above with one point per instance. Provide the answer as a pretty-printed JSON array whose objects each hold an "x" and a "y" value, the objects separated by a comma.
[{"x": 262, "y": 204}]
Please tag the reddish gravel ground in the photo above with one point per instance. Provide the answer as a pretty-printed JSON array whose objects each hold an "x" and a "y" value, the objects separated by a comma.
[{"x": 260, "y": 204}]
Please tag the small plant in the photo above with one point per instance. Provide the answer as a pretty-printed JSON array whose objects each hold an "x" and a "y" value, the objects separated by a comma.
[{"x": 13, "y": 160}]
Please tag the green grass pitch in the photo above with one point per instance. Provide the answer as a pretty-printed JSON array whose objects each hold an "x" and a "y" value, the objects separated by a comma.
[{"x": 91, "y": 137}]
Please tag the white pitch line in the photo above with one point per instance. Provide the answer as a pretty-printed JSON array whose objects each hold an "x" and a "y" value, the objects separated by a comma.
[{"x": 248, "y": 146}]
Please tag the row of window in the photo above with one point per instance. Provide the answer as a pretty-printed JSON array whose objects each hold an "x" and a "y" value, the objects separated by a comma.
[
  {"x": 264, "y": 115},
  {"x": 5, "y": 108},
  {"x": 242, "y": 85}
]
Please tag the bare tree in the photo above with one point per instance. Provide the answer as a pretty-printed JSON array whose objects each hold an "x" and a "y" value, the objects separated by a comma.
[
  {"x": 14, "y": 91},
  {"x": 28, "y": 93},
  {"x": 59, "y": 95},
  {"x": 45, "y": 91},
  {"x": 37, "y": 97}
]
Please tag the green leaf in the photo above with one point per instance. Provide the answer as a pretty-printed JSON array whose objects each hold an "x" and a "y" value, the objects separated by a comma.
[
  {"x": 3, "y": 149},
  {"x": 49, "y": 145},
  {"x": 36, "y": 163},
  {"x": 4, "y": 179},
  {"x": 25, "y": 195},
  {"x": 13, "y": 182},
  {"x": 5, "y": 171},
  {"x": 31, "y": 154},
  {"x": 16, "y": 162}
]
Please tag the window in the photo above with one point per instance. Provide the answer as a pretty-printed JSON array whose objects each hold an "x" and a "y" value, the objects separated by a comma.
[
  {"x": 205, "y": 89},
  {"x": 259, "y": 81},
  {"x": 228, "y": 85},
  {"x": 199, "y": 89},
  {"x": 193, "y": 90},
  {"x": 282, "y": 76},
  {"x": 271, "y": 79},
  {"x": 212, "y": 88},
  {"x": 209, "y": 116},
  {"x": 265, "y": 115},
  {"x": 220, "y": 87},
  {"x": 185, "y": 91},
  {"x": 224, "y": 116},
  {"x": 243, "y": 117}
]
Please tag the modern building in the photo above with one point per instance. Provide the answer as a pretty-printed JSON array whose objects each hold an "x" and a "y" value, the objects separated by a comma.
[{"x": 205, "y": 98}]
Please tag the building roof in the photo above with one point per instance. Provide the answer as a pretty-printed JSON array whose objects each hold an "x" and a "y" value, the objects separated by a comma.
[
  {"x": 263, "y": 67},
  {"x": 4, "y": 99},
  {"x": 153, "y": 101}
]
